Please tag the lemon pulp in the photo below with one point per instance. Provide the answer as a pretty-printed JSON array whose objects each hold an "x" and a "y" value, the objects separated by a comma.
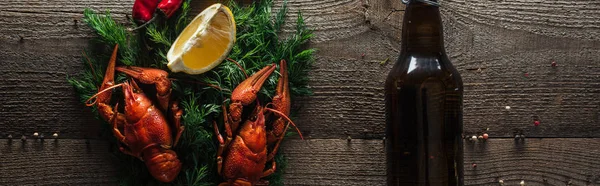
[
  {"x": 205, "y": 42},
  {"x": 214, "y": 40}
]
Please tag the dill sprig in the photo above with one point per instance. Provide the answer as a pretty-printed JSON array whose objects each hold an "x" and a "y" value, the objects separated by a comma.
[
  {"x": 112, "y": 33},
  {"x": 200, "y": 96}
]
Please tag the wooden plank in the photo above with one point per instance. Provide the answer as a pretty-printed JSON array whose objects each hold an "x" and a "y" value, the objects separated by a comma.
[
  {"x": 330, "y": 19},
  {"x": 553, "y": 161},
  {"x": 348, "y": 89},
  {"x": 35, "y": 94},
  {"x": 41, "y": 44},
  {"x": 61, "y": 162},
  {"x": 334, "y": 162},
  {"x": 323, "y": 162},
  {"x": 578, "y": 19},
  {"x": 362, "y": 162},
  {"x": 504, "y": 51},
  {"x": 59, "y": 19}
]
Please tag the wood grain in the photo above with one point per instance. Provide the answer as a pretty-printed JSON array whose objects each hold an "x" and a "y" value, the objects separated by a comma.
[
  {"x": 505, "y": 60},
  {"x": 41, "y": 44},
  {"x": 334, "y": 162},
  {"x": 503, "y": 49},
  {"x": 330, "y": 19},
  {"x": 348, "y": 89},
  {"x": 500, "y": 65},
  {"x": 39, "y": 52},
  {"x": 554, "y": 161},
  {"x": 61, "y": 162},
  {"x": 34, "y": 93},
  {"x": 59, "y": 19},
  {"x": 362, "y": 162},
  {"x": 578, "y": 19},
  {"x": 323, "y": 162}
]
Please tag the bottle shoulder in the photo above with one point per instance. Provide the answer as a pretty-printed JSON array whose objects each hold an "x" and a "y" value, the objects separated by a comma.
[{"x": 413, "y": 69}]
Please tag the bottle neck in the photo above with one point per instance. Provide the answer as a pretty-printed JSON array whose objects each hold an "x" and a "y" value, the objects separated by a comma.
[{"x": 422, "y": 28}]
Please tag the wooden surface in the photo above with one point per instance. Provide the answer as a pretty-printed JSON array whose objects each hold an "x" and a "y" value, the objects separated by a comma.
[
  {"x": 56, "y": 162},
  {"x": 503, "y": 50},
  {"x": 323, "y": 162},
  {"x": 514, "y": 44},
  {"x": 362, "y": 162}
]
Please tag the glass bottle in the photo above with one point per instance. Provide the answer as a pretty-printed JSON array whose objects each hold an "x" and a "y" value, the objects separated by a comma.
[{"x": 423, "y": 98}]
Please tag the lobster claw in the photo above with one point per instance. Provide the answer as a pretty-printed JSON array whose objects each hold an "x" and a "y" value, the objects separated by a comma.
[
  {"x": 282, "y": 103},
  {"x": 246, "y": 92},
  {"x": 152, "y": 76},
  {"x": 109, "y": 78},
  {"x": 103, "y": 95}
]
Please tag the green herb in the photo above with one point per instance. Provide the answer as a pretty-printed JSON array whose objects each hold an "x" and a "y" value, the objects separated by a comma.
[
  {"x": 112, "y": 33},
  {"x": 201, "y": 96},
  {"x": 383, "y": 62}
]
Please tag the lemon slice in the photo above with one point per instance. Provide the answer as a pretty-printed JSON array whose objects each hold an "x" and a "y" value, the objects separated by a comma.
[{"x": 204, "y": 43}]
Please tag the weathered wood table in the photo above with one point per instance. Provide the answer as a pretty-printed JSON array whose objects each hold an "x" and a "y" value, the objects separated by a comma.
[{"x": 503, "y": 49}]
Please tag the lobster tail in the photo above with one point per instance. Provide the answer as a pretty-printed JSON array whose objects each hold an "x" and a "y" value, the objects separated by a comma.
[{"x": 162, "y": 163}]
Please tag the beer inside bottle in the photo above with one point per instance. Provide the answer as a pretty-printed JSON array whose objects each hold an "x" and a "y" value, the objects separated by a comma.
[{"x": 423, "y": 97}]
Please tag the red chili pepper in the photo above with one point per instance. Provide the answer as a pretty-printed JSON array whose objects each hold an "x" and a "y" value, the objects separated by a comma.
[
  {"x": 143, "y": 10},
  {"x": 168, "y": 7}
]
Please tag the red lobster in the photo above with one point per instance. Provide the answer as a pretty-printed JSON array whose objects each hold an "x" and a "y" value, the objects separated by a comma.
[
  {"x": 241, "y": 159},
  {"x": 147, "y": 134}
]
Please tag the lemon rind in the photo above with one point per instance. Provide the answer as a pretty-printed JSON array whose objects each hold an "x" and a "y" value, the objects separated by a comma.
[{"x": 179, "y": 58}]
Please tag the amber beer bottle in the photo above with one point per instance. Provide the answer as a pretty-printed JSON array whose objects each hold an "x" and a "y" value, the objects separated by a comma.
[{"x": 423, "y": 101}]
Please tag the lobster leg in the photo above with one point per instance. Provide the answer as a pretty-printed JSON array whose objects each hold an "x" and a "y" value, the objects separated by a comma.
[
  {"x": 119, "y": 135},
  {"x": 152, "y": 76},
  {"x": 228, "y": 124},
  {"x": 222, "y": 145},
  {"x": 245, "y": 93},
  {"x": 282, "y": 103},
  {"x": 177, "y": 113},
  {"x": 128, "y": 152},
  {"x": 270, "y": 170},
  {"x": 289, "y": 121},
  {"x": 116, "y": 131},
  {"x": 276, "y": 147},
  {"x": 236, "y": 183},
  {"x": 222, "y": 142}
]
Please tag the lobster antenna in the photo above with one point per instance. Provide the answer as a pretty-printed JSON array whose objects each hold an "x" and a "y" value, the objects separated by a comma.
[
  {"x": 239, "y": 66},
  {"x": 286, "y": 118},
  {"x": 89, "y": 63},
  {"x": 87, "y": 102},
  {"x": 271, "y": 103}
]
